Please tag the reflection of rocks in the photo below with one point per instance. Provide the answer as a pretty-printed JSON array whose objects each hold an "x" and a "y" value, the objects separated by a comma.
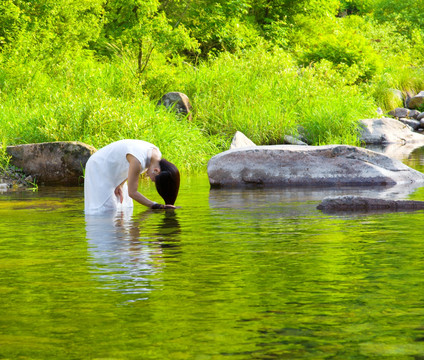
[
  {"x": 286, "y": 202},
  {"x": 290, "y": 165},
  {"x": 244, "y": 197},
  {"x": 360, "y": 203},
  {"x": 53, "y": 163},
  {"x": 396, "y": 151}
]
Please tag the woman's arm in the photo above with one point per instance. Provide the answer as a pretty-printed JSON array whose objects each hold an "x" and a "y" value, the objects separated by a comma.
[{"x": 133, "y": 176}]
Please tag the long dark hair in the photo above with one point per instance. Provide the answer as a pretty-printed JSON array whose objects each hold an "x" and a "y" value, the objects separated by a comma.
[{"x": 168, "y": 181}]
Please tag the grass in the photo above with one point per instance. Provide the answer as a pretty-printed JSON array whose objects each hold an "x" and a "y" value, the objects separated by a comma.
[{"x": 260, "y": 92}]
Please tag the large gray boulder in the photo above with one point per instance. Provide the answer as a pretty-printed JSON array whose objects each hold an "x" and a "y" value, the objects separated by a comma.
[
  {"x": 361, "y": 203},
  {"x": 291, "y": 165},
  {"x": 52, "y": 163},
  {"x": 388, "y": 131}
]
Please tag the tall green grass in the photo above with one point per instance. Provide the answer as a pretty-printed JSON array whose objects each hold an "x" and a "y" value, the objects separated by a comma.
[
  {"x": 261, "y": 92},
  {"x": 266, "y": 95},
  {"x": 95, "y": 103},
  {"x": 407, "y": 79}
]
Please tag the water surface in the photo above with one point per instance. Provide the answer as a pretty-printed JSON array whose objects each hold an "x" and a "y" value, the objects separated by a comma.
[{"x": 233, "y": 274}]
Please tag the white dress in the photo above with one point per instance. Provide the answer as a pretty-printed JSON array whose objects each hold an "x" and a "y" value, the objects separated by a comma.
[{"x": 107, "y": 168}]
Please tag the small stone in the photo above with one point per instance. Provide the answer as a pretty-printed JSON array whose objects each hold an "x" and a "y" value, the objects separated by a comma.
[
  {"x": 414, "y": 114},
  {"x": 416, "y": 101},
  {"x": 240, "y": 140},
  {"x": 399, "y": 112},
  {"x": 421, "y": 116},
  {"x": 293, "y": 141},
  {"x": 177, "y": 101},
  {"x": 414, "y": 124}
]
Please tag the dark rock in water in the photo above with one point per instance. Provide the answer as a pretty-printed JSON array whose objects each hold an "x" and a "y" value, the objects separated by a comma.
[
  {"x": 178, "y": 101},
  {"x": 52, "y": 163},
  {"x": 347, "y": 203}
]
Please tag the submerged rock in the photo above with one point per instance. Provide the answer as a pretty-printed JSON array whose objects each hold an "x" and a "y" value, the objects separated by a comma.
[
  {"x": 52, "y": 163},
  {"x": 359, "y": 203},
  {"x": 291, "y": 165}
]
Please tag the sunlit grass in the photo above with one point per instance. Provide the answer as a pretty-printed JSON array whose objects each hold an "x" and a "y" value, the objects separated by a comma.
[{"x": 260, "y": 92}]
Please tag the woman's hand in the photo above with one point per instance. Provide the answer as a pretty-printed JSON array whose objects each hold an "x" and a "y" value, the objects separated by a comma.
[
  {"x": 161, "y": 206},
  {"x": 119, "y": 194}
]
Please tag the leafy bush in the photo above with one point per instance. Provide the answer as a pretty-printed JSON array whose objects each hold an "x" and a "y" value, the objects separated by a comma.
[{"x": 348, "y": 50}]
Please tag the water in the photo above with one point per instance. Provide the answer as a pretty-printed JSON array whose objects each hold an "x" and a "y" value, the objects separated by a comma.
[{"x": 233, "y": 274}]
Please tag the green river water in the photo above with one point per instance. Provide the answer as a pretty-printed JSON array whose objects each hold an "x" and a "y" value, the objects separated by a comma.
[{"x": 233, "y": 274}]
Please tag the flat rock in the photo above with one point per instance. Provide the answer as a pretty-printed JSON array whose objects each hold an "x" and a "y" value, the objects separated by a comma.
[
  {"x": 52, "y": 163},
  {"x": 291, "y": 165},
  {"x": 360, "y": 203},
  {"x": 388, "y": 131}
]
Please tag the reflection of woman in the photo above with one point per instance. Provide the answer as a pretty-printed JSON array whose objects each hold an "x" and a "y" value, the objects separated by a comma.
[
  {"x": 119, "y": 259},
  {"x": 111, "y": 176}
]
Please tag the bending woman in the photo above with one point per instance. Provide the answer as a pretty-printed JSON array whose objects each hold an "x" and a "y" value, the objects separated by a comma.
[{"x": 112, "y": 173}]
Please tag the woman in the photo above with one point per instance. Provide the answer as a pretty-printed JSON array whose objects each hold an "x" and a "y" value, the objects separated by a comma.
[{"x": 111, "y": 176}]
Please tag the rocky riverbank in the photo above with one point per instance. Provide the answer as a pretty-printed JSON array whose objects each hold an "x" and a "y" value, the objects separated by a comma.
[{"x": 13, "y": 178}]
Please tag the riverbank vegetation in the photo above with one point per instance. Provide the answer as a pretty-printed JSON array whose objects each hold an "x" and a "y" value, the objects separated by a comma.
[{"x": 93, "y": 71}]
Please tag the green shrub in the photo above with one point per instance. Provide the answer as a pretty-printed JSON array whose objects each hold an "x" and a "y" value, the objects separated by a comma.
[{"x": 348, "y": 51}]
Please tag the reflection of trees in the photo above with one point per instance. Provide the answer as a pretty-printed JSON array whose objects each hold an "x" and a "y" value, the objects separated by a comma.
[{"x": 127, "y": 250}]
